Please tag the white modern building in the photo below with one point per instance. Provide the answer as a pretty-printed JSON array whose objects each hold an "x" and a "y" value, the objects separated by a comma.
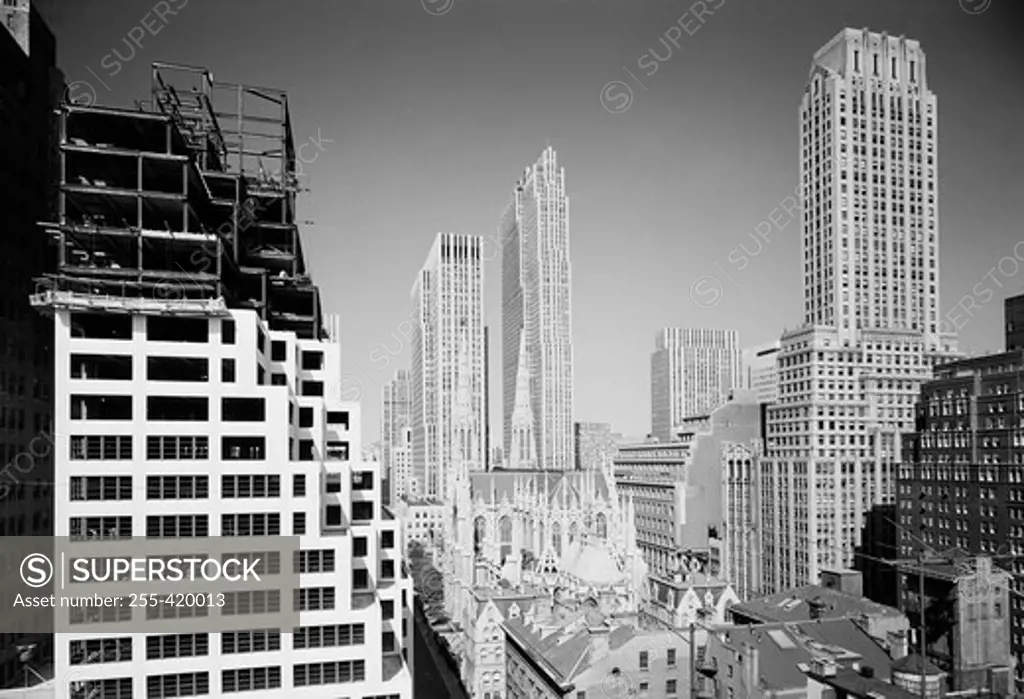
[
  {"x": 195, "y": 385},
  {"x": 448, "y": 299},
  {"x": 186, "y": 424},
  {"x": 395, "y": 434},
  {"x": 761, "y": 372},
  {"x": 536, "y": 310},
  {"x": 693, "y": 371},
  {"x": 850, "y": 374}
]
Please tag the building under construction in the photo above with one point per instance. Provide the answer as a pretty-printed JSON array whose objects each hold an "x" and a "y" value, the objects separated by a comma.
[{"x": 184, "y": 203}]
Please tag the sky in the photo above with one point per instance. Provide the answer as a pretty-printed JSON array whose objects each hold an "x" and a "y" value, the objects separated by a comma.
[{"x": 427, "y": 111}]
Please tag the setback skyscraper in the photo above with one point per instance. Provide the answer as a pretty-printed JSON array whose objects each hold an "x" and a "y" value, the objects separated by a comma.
[
  {"x": 848, "y": 377},
  {"x": 537, "y": 314},
  {"x": 693, "y": 370},
  {"x": 448, "y": 302},
  {"x": 393, "y": 427}
]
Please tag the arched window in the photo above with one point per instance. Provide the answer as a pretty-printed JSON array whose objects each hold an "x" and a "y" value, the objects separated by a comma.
[
  {"x": 556, "y": 538},
  {"x": 505, "y": 531},
  {"x": 479, "y": 533},
  {"x": 602, "y": 526}
]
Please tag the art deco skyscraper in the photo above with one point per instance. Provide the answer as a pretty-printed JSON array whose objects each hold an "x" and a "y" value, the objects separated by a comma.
[
  {"x": 448, "y": 303},
  {"x": 693, "y": 370},
  {"x": 393, "y": 426},
  {"x": 848, "y": 378},
  {"x": 537, "y": 313}
]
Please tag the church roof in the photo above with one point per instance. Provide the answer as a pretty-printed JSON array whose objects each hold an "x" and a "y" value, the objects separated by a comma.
[{"x": 503, "y": 483}]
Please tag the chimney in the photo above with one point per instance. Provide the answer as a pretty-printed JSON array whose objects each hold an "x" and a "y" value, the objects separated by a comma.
[
  {"x": 816, "y": 608},
  {"x": 897, "y": 644}
]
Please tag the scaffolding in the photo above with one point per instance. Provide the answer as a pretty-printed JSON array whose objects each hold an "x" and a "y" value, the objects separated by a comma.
[{"x": 185, "y": 204}]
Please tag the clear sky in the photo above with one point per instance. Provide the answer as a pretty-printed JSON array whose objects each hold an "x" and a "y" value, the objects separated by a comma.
[{"x": 433, "y": 108}]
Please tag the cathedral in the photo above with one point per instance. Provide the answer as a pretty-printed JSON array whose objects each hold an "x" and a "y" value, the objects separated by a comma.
[{"x": 519, "y": 539}]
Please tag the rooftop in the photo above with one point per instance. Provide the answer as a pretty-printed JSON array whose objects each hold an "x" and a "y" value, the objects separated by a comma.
[{"x": 795, "y": 605}]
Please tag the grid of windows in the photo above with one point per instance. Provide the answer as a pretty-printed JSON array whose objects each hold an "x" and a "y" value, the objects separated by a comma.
[
  {"x": 251, "y": 679},
  {"x": 177, "y": 487},
  {"x": 182, "y": 684},
  {"x": 328, "y": 636},
  {"x": 101, "y": 447},
  {"x": 337, "y": 672},
  {"x": 170, "y": 447}
]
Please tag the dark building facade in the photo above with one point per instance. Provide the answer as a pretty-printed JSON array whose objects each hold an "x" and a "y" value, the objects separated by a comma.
[
  {"x": 879, "y": 544},
  {"x": 30, "y": 89},
  {"x": 960, "y": 494},
  {"x": 1013, "y": 316}
]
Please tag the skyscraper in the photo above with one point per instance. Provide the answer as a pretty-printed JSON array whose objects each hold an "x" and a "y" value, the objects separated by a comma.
[
  {"x": 448, "y": 301},
  {"x": 191, "y": 412},
  {"x": 30, "y": 89},
  {"x": 848, "y": 378},
  {"x": 693, "y": 370},
  {"x": 393, "y": 427},
  {"x": 537, "y": 313}
]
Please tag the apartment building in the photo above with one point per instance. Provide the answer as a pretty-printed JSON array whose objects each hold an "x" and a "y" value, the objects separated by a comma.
[{"x": 193, "y": 379}]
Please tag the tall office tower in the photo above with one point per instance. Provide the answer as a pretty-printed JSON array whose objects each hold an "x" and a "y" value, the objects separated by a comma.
[
  {"x": 693, "y": 371},
  {"x": 593, "y": 445},
  {"x": 30, "y": 89},
  {"x": 192, "y": 360},
  {"x": 761, "y": 371},
  {"x": 448, "y": 301},
  {"x": 536, "y": 311},
  {"x": 848, "y": 378},
  {"x": 487, "y": 398},
  {"x": 393, "y": 426}
]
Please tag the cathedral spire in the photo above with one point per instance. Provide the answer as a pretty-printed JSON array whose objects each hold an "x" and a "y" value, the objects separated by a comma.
[{"x": 523, "y": 449}]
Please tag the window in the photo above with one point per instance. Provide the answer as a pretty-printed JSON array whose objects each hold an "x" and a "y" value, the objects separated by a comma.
[
  {"x": 298, "y": 523},
  {"x": 243, "y": 410},
  {"x": 95, "y": 407},
  {"x": 362, "y": 480},
  {"x": 100, "y": 447},
  {"x": 101, "y": 326},
  {"x": 185, "y": 684},
  {"x": 278, "y": 379},
  {"x": 250, "y": 679},
  {"x": 117, "y": 688},
  {"x": 337, "y": 450},
  {"x": 196, "y": 369},
  {"x": 298, "y": 485},
  {"x": 251, "y": 524},
  {"x": 338, "y": 417},
  {"x": 306, "y": 452},
  {"x": 333, "y": 484},
  {"x": 101, "y": 650},
  {"x": 278, "y": 350},
  {"x": 644, "y": 663},
  {"x": 875, "y": 66},
  {"x": 305, "y": 417},
  {"x": 387, "y": 540},
  {"x": 312, "y": 361},
  {"x": 101, "y": 367},
  {"x": 314, "y": 561},
  {"x": 91, "y": 488},
  {"x": 254, "y": 641},
  {"x": 254, "y": 486},
  {"x": 311, "y": 599},
  {"x": 360, "y": 579},
  {"x": 243, "y": 448},
  {"x": 175, "y": 448},
  {"x": 177, "y": 409},
  {"x": 362, "y": 511},
  {"x": 99, "y": 528},
  {"x": 227, "y": 332},
  {"x": 177, "y": 487},
  {"x": 328, "y": 636},
  {"x": 856, "y": 61},
  {"x": 227, "y": 370},
  {"x": 913, "y": 71},
  {"x": 177, "y": 526},
  {"x": 181, "y": 645},
  {"x": 387, "y": 609},
  {"x": 333, "y": 516},
  {"x": 670, "y": 687},
  {"x": 360, "y": 546},
  {"x": 251, "y": 602},
  {"x": 177, "y": 329},
  {"x": 313, "y": 388},
  {"x": 671, "y": 657},
  {"x": 387, "y": 569}
]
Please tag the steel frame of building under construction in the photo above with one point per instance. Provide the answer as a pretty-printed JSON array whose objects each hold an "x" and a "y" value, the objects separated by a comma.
[{"x": 184, "y": 204}]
